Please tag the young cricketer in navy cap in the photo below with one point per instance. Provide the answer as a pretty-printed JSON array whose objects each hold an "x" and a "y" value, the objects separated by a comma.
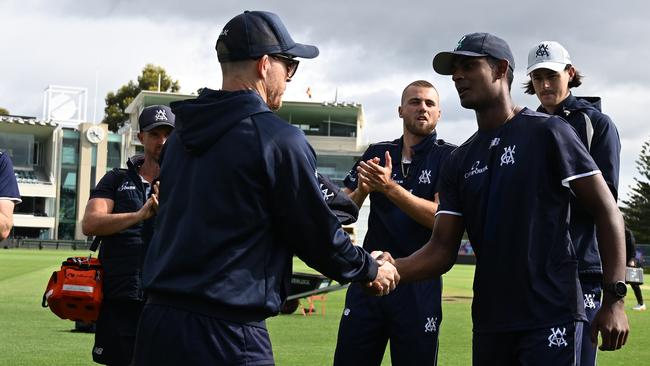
[{"x": 115, "y": 213}]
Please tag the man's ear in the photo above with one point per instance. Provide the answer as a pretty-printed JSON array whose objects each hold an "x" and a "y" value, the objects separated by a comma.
[
  {"x": 399, "y": 111},
  {"x": 262, "y": 66},
  {"x": 572, "y": 72},
  {"x": 502, "y": 68},
  {"x": 141, "y": 136}
]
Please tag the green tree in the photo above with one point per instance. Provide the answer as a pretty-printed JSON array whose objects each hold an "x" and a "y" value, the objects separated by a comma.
[
  {"x": 149, "y": 79},
  {"x": 637, "y": 208},
  {"x": 4, "y": 111}
]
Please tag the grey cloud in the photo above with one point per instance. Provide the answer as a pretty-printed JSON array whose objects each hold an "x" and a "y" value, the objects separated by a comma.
[{"x": 364, "y": 45}]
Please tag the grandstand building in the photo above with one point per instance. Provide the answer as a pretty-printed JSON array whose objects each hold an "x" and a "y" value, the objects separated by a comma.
[{"x": 57, "y": 163}]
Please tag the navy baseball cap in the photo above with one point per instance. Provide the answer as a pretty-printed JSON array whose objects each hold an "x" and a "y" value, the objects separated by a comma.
[
  {"x": 253, "y": 34},
  {"x": 474, "y": 45},
  {"x": 154, "y": 116}
]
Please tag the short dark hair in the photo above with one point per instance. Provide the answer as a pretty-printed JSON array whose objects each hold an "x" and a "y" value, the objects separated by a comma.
[
  {"x": 573, "y": 83},
  {"x": 510, "y": 76},
  {"x": 418, "y": 83}
]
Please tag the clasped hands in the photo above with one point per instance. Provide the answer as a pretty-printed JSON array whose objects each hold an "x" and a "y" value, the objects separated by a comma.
[
  {"x": 387, "y": 275},
  {"x": 374, "y": 177}
]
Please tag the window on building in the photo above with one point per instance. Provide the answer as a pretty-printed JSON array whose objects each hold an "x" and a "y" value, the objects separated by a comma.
[
  {"x": 68, "y": 193},
  {"x": 335, "y": 167},
  {"x": 114, "y": 157},
  {"x": 20, "y": 147}
]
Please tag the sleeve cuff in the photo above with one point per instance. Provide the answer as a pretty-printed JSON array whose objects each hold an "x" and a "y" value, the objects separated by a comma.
[{"x": 565, "y": 181}]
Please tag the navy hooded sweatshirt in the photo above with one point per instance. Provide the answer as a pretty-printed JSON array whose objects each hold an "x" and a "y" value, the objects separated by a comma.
[
  {"x": 599, "y": 134},
  {"x": 238, "y": 198}
]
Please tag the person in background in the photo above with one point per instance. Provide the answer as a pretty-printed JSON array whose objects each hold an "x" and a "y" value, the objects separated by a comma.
[
  {"x": 401, "y": 177},
  {"x": 630, "y": 249},
  {"x": 9, "y": 195},
  {"x": 115, "y": 213},
  {"x": 552, "y": 76}
]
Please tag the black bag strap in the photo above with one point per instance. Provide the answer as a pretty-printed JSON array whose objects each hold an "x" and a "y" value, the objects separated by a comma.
[{"x": 95, "y": 244}]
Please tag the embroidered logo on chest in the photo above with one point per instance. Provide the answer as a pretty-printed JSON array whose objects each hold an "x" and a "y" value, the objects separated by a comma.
[
  {"x": 508, "y": 157},
  {"x": 425, "y": 177}
]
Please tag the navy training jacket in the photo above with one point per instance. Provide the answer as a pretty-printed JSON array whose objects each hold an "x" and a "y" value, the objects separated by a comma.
[
  {"x": 238, "y": 197},
  {"x": 599, "y": 134}
]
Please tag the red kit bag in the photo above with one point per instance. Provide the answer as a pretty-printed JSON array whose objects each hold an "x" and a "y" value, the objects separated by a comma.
[{"x": 75, "y": 291}]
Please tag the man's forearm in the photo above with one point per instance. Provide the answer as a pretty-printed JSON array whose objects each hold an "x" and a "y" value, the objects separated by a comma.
[
  {"x": 419, "y": 209},
  {"x": 610, "y": 231},
  {"x": 108, "y": 224},
  {"x": 357, "y": 196},
  {"x": 6, "y": 218},
  {"x": 426, "y": 263},
  {"x": 6, "y": 223}
]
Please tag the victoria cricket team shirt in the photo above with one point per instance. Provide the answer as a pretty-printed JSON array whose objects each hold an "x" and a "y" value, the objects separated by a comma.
[
  {"x": 511, "y": 186},
  {"x": 389, "y": 228}
]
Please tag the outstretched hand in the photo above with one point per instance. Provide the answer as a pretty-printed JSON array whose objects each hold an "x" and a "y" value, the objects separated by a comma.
[{"x": 387, "y": 275}]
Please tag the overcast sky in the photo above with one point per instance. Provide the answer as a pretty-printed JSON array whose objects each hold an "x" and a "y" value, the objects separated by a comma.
[{"x": 369, "y": 52}]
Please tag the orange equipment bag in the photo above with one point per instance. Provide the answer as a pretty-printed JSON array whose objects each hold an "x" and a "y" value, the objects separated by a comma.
[{"x": 75, "y": 291}]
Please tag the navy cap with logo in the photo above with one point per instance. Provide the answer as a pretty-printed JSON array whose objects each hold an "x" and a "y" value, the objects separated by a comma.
[
  {"x": 154, "y": 116},
  {"x": 474, "y": 45},
  {"x": 253, "y": 34}
]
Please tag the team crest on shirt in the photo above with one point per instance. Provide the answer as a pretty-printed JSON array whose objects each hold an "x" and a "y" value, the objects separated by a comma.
[
  {"x": 589, "y": 301},
  {"x": 425, "y": 177},
  {"x": 508, "y": 157},
  {"x": 557, "y": 337},
  {"x": 431, "y": 325},
  {"x": 476, "y": 170}
]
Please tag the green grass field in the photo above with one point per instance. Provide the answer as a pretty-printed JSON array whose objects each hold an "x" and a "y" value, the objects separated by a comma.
[{"x": 32, "y": 335}]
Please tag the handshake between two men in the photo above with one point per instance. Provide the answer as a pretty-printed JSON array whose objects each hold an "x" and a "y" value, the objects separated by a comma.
[{"x": 387, "y": 275}]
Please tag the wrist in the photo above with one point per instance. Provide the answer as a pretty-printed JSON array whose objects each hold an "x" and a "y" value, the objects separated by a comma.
[
  {"x": 614, "y": 290},
  {"x": 389, "y": 187},
  {"x": 612, "y": 301}
]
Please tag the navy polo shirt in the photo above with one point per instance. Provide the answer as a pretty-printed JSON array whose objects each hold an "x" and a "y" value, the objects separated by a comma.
[
  {"x": 511, "y": 186},
  {"x": 389, "y": 228},
  {"x": 8, "y": 184},
  {"x": 127, "y": 190},
  {"x": 122, "y": 253}
]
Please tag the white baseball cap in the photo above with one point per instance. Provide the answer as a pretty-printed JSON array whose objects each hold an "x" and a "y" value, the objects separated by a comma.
[{"x": 548, "y": 55}]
